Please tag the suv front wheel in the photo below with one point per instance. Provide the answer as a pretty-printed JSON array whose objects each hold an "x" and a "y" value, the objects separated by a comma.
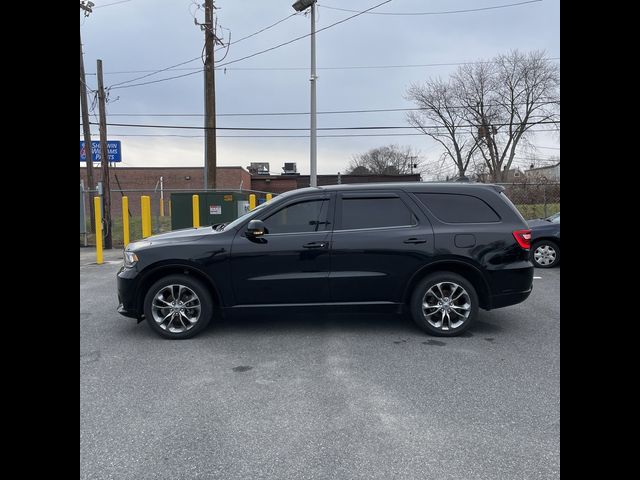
[
  {"x": 178, "y": 306},
  {"x": 444, "y": 304}
]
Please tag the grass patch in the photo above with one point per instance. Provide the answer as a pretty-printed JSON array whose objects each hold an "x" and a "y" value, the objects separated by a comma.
[
  {"x": 532, "y": 211},
  {"x": 158, "y": 225}
]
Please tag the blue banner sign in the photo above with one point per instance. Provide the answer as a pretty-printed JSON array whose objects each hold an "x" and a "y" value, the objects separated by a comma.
[{"x": 114, "y": 151}]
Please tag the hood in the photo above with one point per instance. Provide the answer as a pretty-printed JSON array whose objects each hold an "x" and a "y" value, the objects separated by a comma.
[
  {"x": 538, "y": 222},
  {"x": 182, "y": 235}
]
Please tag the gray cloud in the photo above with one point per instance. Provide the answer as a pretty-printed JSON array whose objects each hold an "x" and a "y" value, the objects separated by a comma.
[{"x": 152, "y": 34}]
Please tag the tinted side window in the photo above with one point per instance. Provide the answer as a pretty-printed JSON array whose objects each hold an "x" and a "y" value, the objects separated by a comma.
[
  {"x": 375, "y": 212},
  {"x": 455, "y": 208},
  {"x": 310, "y": 216}
]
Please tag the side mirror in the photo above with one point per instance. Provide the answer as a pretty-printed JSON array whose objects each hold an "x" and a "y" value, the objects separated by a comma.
[{"x": 256, "y": 228}]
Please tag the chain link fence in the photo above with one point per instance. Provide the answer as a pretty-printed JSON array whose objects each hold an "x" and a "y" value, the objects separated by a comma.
[
  {"x": 534, "y": 200},
  {"x": 160, "y": 215}
]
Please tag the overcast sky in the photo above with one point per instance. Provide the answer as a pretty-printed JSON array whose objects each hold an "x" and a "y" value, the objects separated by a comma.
[{"x": 153, "y": 34}]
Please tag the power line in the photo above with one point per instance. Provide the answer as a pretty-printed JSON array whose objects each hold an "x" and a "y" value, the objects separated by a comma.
[
  {"x": 197, "y": 69},
  {"x": 87, "y": 86},
  {"x": 266, "y": 114},
  {"x": 114, "y": 3},
  {"x": 158, "y": 81},
  {"x": 346, "y": 67},
  {"x": 159, "y": 71},
  {"x": 116, "y": 135},
  {"x": 303, "y": 36},
  {"x": 261, "y": 30},
  {"x": 173, "y": 67},
  {"x": 274, "y": 129},
  {"x": 122, "y": 84},
  {"x": 446, "y": 12},
  {"x": 357, "y": 67}
]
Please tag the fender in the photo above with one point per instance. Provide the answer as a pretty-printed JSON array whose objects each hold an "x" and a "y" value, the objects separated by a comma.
[
  {"x": 483, "y": 289},
  {"x": 148, "y": 274}
]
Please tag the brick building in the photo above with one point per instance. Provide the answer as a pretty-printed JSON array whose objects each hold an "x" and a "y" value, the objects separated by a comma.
[
  {"x": 192, "y": 178},
  {"x": 148, "y": 178},
  {"x": 284, "y": 183}
]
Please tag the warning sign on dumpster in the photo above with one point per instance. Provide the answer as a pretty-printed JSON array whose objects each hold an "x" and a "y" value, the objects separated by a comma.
[{"x": 215, "y": 210}]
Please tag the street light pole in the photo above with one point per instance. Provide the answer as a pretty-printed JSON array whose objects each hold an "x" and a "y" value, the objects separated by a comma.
[
  {"x": 300, "y": 6},
  {"x": 313, "y": 181}
]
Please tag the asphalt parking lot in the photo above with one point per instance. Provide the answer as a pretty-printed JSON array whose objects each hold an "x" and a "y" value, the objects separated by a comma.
[{"x": 319, "y": 396}]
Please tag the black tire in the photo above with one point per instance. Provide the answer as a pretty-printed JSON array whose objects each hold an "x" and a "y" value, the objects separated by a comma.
[
  {"x": 551, "y": 245},
  {"x": 203, "y": 295},
  {"x": 433, "y": 280}
]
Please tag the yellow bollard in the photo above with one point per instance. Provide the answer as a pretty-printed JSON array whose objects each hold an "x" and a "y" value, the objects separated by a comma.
[
  {"x": 195, "y": 201},
  {"x": 145, "y": 202},
  {"x": 162, "y": 207},
  {"x": 269, "y": 197},
  {"x": 125, "y": 221},
  {"x": 252, "y": 201},
  {"x": 97, "y": 208}
]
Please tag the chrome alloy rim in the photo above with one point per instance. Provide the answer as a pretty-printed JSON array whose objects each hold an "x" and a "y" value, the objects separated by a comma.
[
  {"x": 176, "y": 308},
  {"x": 544, "y": 255},
  {"x": 446, "y": 306}
]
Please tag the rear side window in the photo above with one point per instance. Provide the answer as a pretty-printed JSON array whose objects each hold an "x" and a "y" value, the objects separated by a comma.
[
  {"x": 456, "y": 208},
  {"x": 375, "y": 213}
]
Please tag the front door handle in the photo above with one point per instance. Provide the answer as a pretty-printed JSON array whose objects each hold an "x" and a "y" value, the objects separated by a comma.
[
  {"x": 315, "y": 245},
  {"x": 415, "y": 240}
]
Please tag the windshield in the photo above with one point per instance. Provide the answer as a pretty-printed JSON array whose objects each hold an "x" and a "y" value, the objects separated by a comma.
[
  {"x": 252, "y": 213},
  {"x": 555, "y": 218}
]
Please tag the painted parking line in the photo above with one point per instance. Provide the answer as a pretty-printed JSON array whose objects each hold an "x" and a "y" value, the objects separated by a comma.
[{"x": 537, "y": 278}]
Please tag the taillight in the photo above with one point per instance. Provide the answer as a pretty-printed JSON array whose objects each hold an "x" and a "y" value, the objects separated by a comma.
[{"x": 523, "y": 237}]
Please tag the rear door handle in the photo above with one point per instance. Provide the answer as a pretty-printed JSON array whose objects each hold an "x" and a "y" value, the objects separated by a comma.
[
  {"x": 415, "y": 240},
  {"x": 315, "y": 245}
]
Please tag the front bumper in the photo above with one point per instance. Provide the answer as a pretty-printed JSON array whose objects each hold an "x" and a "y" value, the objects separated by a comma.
[{"x": 127, "y": 282}]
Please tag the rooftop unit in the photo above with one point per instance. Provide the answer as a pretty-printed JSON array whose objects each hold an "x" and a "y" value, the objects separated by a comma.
[
  {"x": 290, "y": 169},
  {"x": 259, "y": 168}
]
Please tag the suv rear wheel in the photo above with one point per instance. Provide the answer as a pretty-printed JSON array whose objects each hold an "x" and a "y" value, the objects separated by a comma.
[
  {"x": 444, "y": 304},
  {"x": 178, "y": 306}
]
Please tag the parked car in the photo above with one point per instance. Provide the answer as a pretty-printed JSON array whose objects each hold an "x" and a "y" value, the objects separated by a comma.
[
  {"x": 545, "y": 241},
  {"x": 436, "y": 251}
]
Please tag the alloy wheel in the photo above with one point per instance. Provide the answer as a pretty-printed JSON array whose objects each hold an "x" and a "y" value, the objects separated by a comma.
[
  {"x": 446, "y": 306},
  {"x": 176, "y": 308}
]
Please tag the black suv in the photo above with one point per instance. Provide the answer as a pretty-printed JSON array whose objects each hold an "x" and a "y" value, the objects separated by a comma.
[{"x": 436, "y": 251}]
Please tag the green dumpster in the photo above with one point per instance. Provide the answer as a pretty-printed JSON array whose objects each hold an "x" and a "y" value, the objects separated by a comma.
[{"x": 215, "y": 207}]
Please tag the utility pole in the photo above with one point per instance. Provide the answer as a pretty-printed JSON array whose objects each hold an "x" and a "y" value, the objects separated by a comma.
[
  {"x": 106, "y": 189},
  {"x": 313, "y": 181},
  {"x": 300, "y": 6},
  {"x": 86, "y": 129},
  {"x": 210, "y": 41}
]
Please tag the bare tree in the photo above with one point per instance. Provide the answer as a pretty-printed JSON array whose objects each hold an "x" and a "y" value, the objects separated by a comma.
[
  {"x": 487, "y": 110},
  {"x": 504, "y": 99},
  {"x": 443, "y": 118},
  {"x": 387, "y": 160}
]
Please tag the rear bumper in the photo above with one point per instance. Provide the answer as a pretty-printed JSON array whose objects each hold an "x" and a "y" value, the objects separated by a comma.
[
  {"x": 506, "y": 299},
  {"x": 511, "y": 285}
]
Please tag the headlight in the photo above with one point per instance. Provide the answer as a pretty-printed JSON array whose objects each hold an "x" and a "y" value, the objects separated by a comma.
[{"x": 130, "y": 258}]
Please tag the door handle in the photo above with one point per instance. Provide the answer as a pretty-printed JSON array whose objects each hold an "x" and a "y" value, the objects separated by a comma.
[
  {"x": 415, "y": 240},
  {"x": 315, "y": 245}
]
